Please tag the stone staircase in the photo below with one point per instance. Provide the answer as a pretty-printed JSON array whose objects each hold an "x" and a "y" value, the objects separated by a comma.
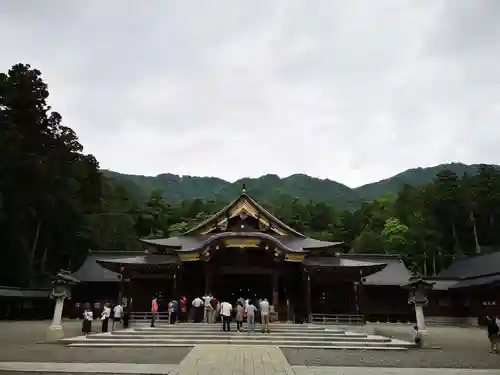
[{"x": 281, "y": 335}]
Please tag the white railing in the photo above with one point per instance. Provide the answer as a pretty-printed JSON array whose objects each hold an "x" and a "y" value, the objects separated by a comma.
[
  {"x": 146, "y": 315},
  {"x": 340, "y": 319}
]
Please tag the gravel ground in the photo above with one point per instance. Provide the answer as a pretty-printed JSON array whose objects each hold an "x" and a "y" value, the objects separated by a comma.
[
  {"x": 429, "y": 358},
  {"x": 20, "y": 342}
]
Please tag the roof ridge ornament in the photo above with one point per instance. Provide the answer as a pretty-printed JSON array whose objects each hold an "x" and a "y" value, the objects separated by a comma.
[{"x": 244, "y": 188}]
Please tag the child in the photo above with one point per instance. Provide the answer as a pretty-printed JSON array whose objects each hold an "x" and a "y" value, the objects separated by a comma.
[{"x": 417, "y": 337}]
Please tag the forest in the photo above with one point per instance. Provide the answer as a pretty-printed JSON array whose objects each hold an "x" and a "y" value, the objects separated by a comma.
[{"x": 56, "y": 204}]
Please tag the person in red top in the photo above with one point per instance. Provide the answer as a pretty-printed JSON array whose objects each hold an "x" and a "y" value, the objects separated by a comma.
[
  {"x": 213, "y": 313},
  {"x": 183, "y": 309},
  {"x": 154, "y": 311}
]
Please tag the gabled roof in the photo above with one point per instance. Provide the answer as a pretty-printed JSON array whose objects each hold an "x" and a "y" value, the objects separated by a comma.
[
  {"x": 244, "y": 197},
  {"x": 471, "y": 267},
  {"x": 395, "y": 273}
]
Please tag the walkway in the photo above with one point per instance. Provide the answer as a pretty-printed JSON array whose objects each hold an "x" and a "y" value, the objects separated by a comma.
[{"x": 226, "y": 360}]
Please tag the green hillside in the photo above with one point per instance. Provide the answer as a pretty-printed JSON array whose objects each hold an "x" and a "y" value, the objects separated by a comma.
[{"x": 269, "y": 187}]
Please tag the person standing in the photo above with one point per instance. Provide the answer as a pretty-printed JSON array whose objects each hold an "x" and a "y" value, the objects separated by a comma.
[
  {"x": 126, "y": 315},
  {"x": 239, "y": 316},
  {"x": 154, "y": 311},
  {"x": 251, "y": 311},
  {"x": 105, "y": 315},
  {"x": 175, "y": 311},
  {"x": 207, "y": 311},
  {"x": 214, "y": 304},
  {"x": 198, "y": 309},
  {"x": 183, "y": 309},
  {"x": 493, "y": 331},
  {"x": 264, "y": 315},
  {"x": 88, "y": 316},
  {"x": 225, "y": 314},
  {"x": 117, "y": 315}
]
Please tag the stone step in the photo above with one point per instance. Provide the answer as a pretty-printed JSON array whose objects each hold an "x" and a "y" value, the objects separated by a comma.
[
  {"x": 231, "y": 340},
  {"x": 234, "y": 332},
  {"x": 310, "y": 345},
  {"x": 215, "y": 327},
  {"x": 241, "y": 336}
]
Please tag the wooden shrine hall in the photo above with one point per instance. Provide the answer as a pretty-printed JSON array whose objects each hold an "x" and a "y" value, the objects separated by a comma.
[{"x": 245, "y": 251}]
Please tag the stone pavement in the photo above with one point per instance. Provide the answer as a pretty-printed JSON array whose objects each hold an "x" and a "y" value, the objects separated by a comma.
[
  {"x": 299, "y": 370},
  {"x": 21, "y": 355},
  {"x": 234, "y": 360}
]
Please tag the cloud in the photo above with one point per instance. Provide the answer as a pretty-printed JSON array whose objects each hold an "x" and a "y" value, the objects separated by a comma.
[{"x": 352, "y": 90}]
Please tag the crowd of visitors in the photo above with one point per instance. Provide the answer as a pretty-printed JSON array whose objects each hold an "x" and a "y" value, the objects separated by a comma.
[{"x": 118, "y": 316}]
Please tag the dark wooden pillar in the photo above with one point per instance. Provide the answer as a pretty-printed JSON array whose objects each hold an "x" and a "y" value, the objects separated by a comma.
[
  {"x": 360, "y": 294},
  {"x": 208, "y": 278},
  {"x": 275, "y": 290},
  {"x": 307, "y": 295},
  {"x": 180, "y": 281},
  {"x": 174, "y": 285},
  {"x": 121, "y": 291}
]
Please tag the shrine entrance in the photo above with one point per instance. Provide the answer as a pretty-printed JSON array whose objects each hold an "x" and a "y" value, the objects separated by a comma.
[
  {"x": 230, "y": 287},
  {"x": 243, "y": 272}
]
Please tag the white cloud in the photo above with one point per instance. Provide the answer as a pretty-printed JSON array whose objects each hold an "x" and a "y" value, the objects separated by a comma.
[{"x": 352, "y": 90}]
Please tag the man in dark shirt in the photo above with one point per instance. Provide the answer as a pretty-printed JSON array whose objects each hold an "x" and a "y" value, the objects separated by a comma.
[{"x": 493, "y": 333}]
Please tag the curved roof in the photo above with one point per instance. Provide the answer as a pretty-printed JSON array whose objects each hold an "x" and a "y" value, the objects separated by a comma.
[
  {"x": 91, "y": 271},
  {"x": 158, "y": 260},
  {"x": 288, "y": 243},
  {"x": 475, "y": 266}
]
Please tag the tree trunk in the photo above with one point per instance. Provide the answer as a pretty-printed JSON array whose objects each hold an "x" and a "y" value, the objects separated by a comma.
[
  {"x": 455, "y": 236},
  {"x": 425, "y": 264},
  {"x": 35, "y": 242},
  {"x": 476, "y": 240},
  {"x": 433, "y": 264},
  {"x": 43, "y": 265}
]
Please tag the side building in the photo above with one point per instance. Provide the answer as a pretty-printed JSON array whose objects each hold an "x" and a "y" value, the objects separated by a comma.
[
  {"x": 467, "y": 291},
  {"x": 245, "y": 251}
]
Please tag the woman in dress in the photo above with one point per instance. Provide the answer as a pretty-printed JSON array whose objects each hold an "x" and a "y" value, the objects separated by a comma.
[
  {"x": 239, "y": 316},
  {"x": 88, "y": 316}
]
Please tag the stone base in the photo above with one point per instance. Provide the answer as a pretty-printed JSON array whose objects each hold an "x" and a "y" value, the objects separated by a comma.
[{"x": 54, "y": 333}]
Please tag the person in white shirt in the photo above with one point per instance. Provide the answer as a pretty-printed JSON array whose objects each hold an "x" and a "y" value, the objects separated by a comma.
[
  {"x": 88, "y": 316},
  {"x": 225, "y": 315},
  {"x": 264, "y": 315},
  {"x": 198, "y": 309},
  {"x": 117, "y": 315},
  {"x": 105, "y": 315},
  {"x": 207, "y": 312},
  {"x": 251, "y": 310}
]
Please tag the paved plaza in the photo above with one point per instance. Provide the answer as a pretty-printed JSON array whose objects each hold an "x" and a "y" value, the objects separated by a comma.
[{"x": 21, "y": 353}]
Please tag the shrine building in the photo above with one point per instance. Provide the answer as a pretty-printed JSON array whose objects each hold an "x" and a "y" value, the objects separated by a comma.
[{"x": 243, "y": 250}]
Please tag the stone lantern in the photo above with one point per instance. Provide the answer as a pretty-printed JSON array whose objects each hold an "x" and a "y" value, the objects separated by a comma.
[
  {"x": 418, "y": 289},
  {"x": 61, "y": 289}
]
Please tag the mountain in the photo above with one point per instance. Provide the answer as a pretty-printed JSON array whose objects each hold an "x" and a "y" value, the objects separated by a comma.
[{"x": 269, "y": 187}]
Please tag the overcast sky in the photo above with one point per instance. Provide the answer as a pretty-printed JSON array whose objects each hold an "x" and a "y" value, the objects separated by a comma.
[{"x": 351, "y": 90}]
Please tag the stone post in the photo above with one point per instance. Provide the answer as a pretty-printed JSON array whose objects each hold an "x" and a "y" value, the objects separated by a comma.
[
  {"x": 418, "y": 289},
  {"x": 60, "y": 291},
  {"x": 419, "y": 314}
]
